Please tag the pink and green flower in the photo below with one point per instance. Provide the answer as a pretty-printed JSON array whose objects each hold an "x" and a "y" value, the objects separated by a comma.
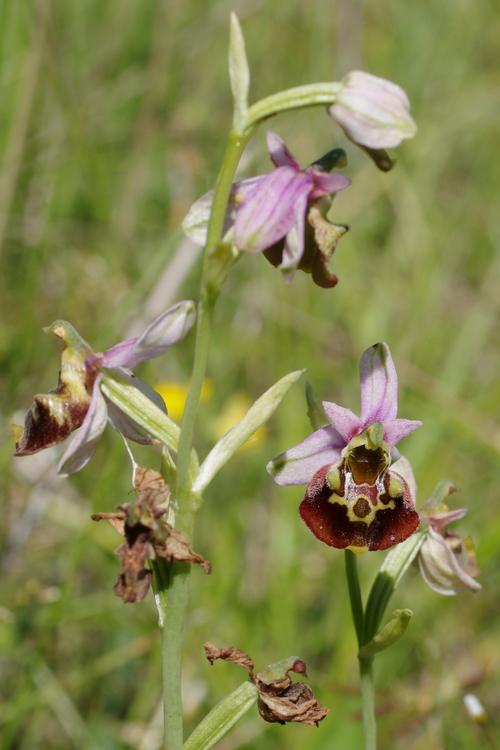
[{"x": 354, "y": 498}]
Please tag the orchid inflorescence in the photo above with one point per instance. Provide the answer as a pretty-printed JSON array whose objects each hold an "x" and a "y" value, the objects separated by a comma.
[{"x": 360, "y": 492}]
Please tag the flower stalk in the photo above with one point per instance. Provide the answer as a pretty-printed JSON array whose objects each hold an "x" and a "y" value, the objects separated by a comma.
[
  {"x": 368, "y": 702},
  {"x": 351, "y": 571},
  {"x": 310, "y": 95},
  {"x": 173, "y": 588},
  {"x": 172, "y": 579},
  {"x": 365, "y": 663}
]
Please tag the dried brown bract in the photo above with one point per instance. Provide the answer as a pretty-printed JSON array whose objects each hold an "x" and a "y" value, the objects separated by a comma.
[
  {"x": 280, "y": 699},
  {"x": 229, "y": 653},
  {"x": 147, "y": 536}
]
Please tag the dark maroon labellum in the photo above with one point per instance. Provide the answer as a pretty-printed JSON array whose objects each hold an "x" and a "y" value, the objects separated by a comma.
[{"x": 364, "y": 505}]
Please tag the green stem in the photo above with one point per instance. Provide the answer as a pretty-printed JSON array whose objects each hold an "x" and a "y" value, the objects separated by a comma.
[
  {"x": 172, "y": 580},
  {"x": 368, "y": 703},
  {"x": 172, "y": 594},
  {"x": 236, "y": 144},
  {"x": 311, "y": 95},
  {"x": 365, "y": 664},
  {"x": 351, "y": 571}
]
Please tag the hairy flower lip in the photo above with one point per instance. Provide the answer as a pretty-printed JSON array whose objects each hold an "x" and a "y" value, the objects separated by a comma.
[
  {"x": 379, "y": 404},
  {"x": 359, "y": 515}
]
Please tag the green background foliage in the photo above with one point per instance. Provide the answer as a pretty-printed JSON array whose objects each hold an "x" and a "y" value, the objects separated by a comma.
[{"x": 113, "y": 115}]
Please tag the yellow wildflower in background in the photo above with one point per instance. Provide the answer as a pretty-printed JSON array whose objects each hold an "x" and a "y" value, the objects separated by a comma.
[
  {"x": 233, "y": 410},
  {"x": 175, "y": 394}
]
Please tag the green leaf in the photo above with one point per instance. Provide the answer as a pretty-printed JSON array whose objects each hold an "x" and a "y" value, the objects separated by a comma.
[
  {"x": 222, "y": 718},
  {"x": 400, "y": 557},
  {"x": 239, "y": 74},
  {"x": 255, "y": 417},
  {"x": 389, "y": 634},
  {"x": 390, "y": 574},
  {"x": 317, "y": 416}
]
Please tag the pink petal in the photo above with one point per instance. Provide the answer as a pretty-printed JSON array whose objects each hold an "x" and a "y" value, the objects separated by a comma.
[
  {"x": 297, "y": 465},
  {"x": 279, "y": 153},
  {"x": 395, "y": 430},
  {"x": 195, "y": 223},
  {"x": 438, "y": 521},
  {"x": 164, "y": 331},
  {"x": 82, "y": 446},
  {"x": 326, "y": 183},
  {"x": 268, "y": 211},
  {"x": 379, "y": 385},
  {"x": 294, "y": 244},
  {"x": 343, "y": 420}
]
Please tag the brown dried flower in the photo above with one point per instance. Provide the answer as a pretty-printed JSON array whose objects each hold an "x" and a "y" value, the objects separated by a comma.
[
  {"x": 280, "y": 699},
  {"x": 147, "y": 536}
]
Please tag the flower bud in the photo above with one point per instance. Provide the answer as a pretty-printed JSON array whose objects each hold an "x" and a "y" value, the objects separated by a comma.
[{"x": 373, "y": 112}]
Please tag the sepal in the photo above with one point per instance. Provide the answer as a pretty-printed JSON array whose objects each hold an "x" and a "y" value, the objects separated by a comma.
[{"x": 134, "y": 404}]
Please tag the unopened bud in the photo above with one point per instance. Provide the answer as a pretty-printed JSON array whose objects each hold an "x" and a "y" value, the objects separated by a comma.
[{"x": 373, "y": 112}]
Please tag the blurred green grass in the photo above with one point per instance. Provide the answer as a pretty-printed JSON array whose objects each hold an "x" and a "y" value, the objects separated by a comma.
[{"x": 112, "y": 121}]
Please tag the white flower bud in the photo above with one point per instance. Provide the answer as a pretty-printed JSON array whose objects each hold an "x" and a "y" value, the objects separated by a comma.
[{"x": 373, "y": 112}]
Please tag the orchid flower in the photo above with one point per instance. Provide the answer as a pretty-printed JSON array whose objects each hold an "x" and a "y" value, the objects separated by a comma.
[
  {"x": 446, "y": 561},
  {"x": 374, "y": 113},
  {"x": 379, "y": 404},
  {"x": 282, "y": 214},
  {"x": 353, "y": 498},
  {"x": 77, "y": 401}
]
